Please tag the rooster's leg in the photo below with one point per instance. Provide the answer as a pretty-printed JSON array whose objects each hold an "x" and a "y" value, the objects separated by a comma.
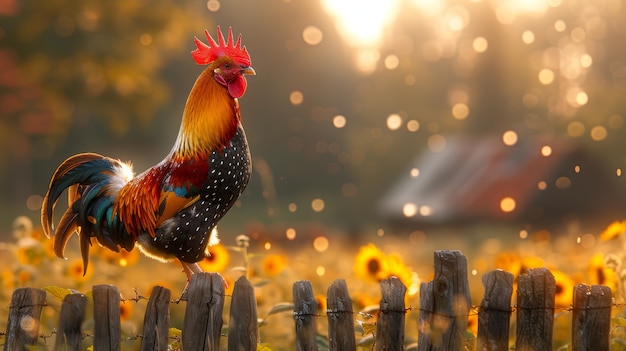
[{"x": 190, "y": 269}]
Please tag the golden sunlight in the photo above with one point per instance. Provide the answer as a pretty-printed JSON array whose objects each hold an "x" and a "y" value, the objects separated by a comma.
[{"x": 361, "y": 24}]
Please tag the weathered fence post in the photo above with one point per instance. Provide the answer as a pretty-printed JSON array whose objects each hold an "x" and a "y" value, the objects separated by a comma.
[
  {"x": 304, "y": 313},
  {"x": 243, "y": 331},
  {"x": 106, "y": 315},
  {"x": 535, "y": 310},
  {"x": 202, "y": 325},
  {"x": 444, "y": 304},
  {"x": 390, "y": 326},
  {"x": 156, "y": 323},
  {"x": 591, "y": 318},
  {"x": 69, "y": 334},
  {"x": 340, "y": 317},
  {"x": 24, "y": 314},
  {"x": 495, "y": 312}
]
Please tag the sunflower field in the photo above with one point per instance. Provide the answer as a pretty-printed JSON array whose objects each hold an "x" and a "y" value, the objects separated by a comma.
[{"x": 273, "y": 265}]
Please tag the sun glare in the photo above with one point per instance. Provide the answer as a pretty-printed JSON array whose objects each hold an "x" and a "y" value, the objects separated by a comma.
[{"x": 361, "y": 24}]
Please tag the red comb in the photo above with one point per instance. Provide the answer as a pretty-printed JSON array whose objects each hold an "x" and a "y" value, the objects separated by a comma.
[{"x": 205, "y": 54}]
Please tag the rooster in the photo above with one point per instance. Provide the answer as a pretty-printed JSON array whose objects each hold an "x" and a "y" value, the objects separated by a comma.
[{"x": 171, "y": 210}]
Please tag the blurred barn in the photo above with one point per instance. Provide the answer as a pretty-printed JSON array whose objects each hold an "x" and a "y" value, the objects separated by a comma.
[{"x": 482, "y": 179}]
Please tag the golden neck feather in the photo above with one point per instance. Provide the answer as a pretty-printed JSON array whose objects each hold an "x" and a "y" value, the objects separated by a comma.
[{"x": 210, "y": 117}]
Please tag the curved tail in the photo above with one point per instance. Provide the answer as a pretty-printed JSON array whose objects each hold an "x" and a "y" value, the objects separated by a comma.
[{"x": 93, "y": 182}]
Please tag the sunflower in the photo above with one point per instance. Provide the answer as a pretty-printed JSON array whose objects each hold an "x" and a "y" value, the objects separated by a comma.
[
  {"x": 564, "y": 289},
  {"x": 509, "y": 261},
  {"x": 216, "y": 259},
  {"x": 529, "y": 262},
  {"x": 395, "y": 267},
  {"x": 273, "y": 264},
  {"x": 599, "y": 274},
  {"x": 75, "y": 271},
  {"x": 370, "y": 263},
  {"x": 362, "y": 299},
  {"x": 128, "y": 258},
  {"x": 123, "y": 258},
  {"x": 7, "y": 278},
  {"x": 126, "y": 310},
  {"x": 230, "y": 285},
  {"x": 614, "y": 230},
  {"x": 30, "y": 251},
  {"x": 472, "y": 323},
  {"x": 24, "y": 276},
  {"x": 321, "y": 303}
]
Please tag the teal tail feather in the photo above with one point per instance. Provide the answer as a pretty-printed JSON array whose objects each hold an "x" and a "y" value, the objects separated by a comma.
[{"x": 93, "y": 182}]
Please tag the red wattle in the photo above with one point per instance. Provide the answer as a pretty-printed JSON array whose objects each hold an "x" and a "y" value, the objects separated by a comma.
[{"x": 237, "y": 87}]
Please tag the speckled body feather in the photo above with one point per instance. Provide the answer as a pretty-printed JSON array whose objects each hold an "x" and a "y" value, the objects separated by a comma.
[{"x": 186, "y": 234}]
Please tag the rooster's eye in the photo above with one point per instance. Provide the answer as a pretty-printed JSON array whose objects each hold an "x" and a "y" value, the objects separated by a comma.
[{"x": 227, "y": 65}]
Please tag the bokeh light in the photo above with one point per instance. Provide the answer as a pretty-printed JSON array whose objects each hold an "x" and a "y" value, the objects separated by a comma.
[
  {"x": 528, "y": 37},
  {"x": 598, "y": 133},
  {"x": 575, "y": 129},
  {"x": 296, "y": 97},
  {"x": 425, "y": 211},
  {"x": 394, "y": 121},
  {"x": 509, "y": 138},
  {"x": 409, "y": 209},
  {"x": 213, "y": 5},
  {"x": 339, "y": 121},
  {"x": 290, "y": 233},
  {"x": 546, "y": 76},
  {"x": 392, "y": 62},
  {"x": 460, "y": 111},
  {"x": 318, "y": 205},
  {"x": 507, "y": 204},
  {"x": 321, "y": 243},
  {"x": 563, "y": 183},
  {"x": 436, "y": 143},
  {"x": 312, "y": 35},
  {"x": 413, "y": 125},
  {"x": 480, "y": 44}
]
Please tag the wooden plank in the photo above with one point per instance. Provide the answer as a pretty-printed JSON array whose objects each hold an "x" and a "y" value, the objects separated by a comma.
[
  {"x": 156, "y": 321},
  {"x": 202, "y": 325},
  {"x": 446, "y": 303},
  {"x": 591, "y": 318},
  {"x": 390, "y": 325},
  {"x": 495, "y": 312},
  {"x": 305, "y": 315},
  {"x": 24, "y": 315},
  {"x": 340, "y": 317},
  {"x": 535, "y": 310},
  {"x": 69, "y": 334},
  {"x": 426, "y": 334},
  {"x": 106, "y": 314},
  {"x": 243, "y": 331}
]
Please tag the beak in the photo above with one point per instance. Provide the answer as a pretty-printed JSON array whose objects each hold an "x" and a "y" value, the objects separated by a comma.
[{"x": 248, "y": 70}]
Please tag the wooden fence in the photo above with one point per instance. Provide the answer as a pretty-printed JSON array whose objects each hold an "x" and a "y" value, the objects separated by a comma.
[{"x": 444, "y": 308}]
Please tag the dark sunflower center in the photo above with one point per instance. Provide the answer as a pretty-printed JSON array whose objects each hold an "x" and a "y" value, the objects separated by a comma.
[
  {"x": 373, "y": 266},
  {"x": 601, "y": 276},
  {"x": 560, "y": 289}
]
